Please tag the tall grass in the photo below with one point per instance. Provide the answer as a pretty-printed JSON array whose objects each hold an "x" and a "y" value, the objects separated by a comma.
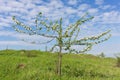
[{"x": 37, "y": 65}]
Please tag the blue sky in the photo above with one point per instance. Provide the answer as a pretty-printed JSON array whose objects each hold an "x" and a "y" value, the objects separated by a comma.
[{"x": 106, "y": 13}]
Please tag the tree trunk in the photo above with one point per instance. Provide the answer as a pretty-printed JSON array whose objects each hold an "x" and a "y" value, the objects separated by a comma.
[{"x": 59, "y": 62}]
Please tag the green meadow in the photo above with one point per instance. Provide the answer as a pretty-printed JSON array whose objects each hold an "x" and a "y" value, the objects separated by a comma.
[{"x": 39, "y": 65}]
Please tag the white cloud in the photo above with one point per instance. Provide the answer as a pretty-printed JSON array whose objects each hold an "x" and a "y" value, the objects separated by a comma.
[
  {"x": 111, "y": 17},
  {"x": 93, "y": 10},
  {"x": 70, "y": 10},
  {"x": 4, "y": 25},
  {"x": 83, "y": 7},
  {"x": 55, "y": 4},
  {"x": 99, "y": 2},
  {"x": 116, "y": 34},
  {"x": 72, "y": 2},
  {"x": 14, "y": 4},
  {"x": 105, "y": 7},
  {"x": 43, "y": 9}
]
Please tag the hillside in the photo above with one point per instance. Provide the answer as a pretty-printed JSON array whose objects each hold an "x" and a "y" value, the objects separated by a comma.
[{"x": 37, "y": 65}]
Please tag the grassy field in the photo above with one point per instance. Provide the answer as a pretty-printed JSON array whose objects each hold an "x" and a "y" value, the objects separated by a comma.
[{"x": 37, "y": 65}]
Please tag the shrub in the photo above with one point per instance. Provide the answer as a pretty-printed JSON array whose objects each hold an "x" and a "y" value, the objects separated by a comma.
[
  {"x": 28, "y": 53},
  {"x": 102, "y": 55},
  {"x": 118, "y": 61}
]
